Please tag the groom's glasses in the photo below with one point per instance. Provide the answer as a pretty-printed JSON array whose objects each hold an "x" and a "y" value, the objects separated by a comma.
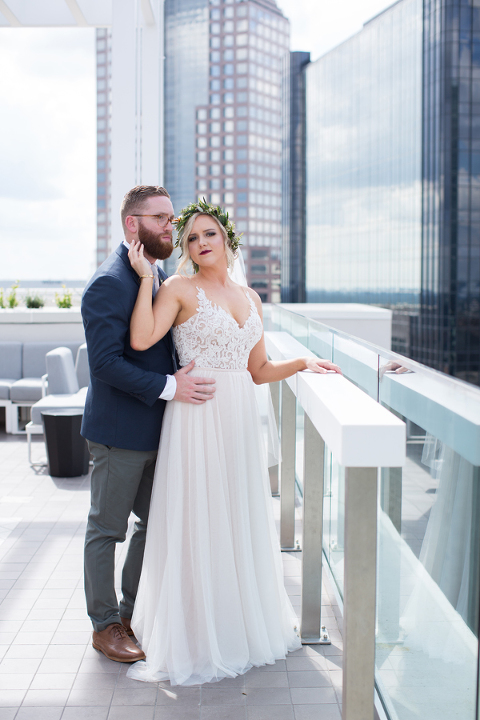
[{"x": 162, "y": 220}]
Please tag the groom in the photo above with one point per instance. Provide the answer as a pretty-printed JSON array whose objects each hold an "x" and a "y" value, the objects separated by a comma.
[{"x": 123, "y": 416}]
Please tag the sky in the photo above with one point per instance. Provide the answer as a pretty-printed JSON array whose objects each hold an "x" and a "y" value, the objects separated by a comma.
[{"x": 47, "y": 142}]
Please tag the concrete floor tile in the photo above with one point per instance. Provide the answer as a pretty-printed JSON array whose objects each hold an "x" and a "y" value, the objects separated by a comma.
[
  {"x": 8, "y": 713},
  {"x": 236, "y": 682},
  {"x": 33, "y": 638},
  {"x": 16, "y": 681},
  {"x": 257, "y": 679},
  {"x": 71, "y": 638},
  {"x": 46, "y": 698},
  {"x": 268, "y": 696},
  {"x": 270, "y": 712},
  {"x": 99, "y": 664},
  {"x": 96, "y": 697},
  {"x": 53, "y": 681},
  {"x": 19, "y": 666},
  {"x": 306, "y": 663},
  {"x": 57, "y": 652},
  {"x": 39, "y": 713},
  {"x": 313, "y": 696},
  {"x": 11, "y": 698},
  {"x": 177, "y": 713},
  {"x": 334, "y": 662},
  {"x": 131, "y": 712},
  {"x": 83, "y": 681},
  {"x": 178, "y": 696},
  {"x": 229, "y": 712},
  {"x": 45, "y": 624},
  {"x": 79, "y": 713},
  {"x": 229, "y": 696},
  {"x": 65, "y": 665},
  {"x": 25, "y": 651},
  {"x": 309, "y": 678},
  {"x": 317, "y": 712},
  {"x": 130, "y": 696}
]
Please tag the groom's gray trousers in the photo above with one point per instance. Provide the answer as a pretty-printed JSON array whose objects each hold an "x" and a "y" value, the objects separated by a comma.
[{"x": 121, "y": 484}]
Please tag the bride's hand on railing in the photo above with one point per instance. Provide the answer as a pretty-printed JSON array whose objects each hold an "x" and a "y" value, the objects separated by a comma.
[
  {"x": 139, "y": 263},
  {"x": 321, "y": 366}
]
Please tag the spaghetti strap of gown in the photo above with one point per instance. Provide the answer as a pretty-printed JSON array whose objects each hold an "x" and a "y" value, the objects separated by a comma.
[{"x": 211, "y": 601}]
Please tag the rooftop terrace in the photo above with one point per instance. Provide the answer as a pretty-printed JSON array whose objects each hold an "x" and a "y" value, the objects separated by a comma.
[{"x": 48, "y": 668}]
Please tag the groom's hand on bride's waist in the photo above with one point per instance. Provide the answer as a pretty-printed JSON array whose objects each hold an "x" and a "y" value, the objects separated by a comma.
[{"x": 193, "y": 389}]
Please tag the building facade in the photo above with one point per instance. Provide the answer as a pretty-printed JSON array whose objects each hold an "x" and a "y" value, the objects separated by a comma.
[
  {"x": 392, "y": 176},
  {"x": 222, "y": 117},
  {"x": 223, "y": 120},
  {"x": 103, "y": 47}
]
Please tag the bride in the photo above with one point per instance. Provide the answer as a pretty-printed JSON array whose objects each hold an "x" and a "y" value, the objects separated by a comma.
[{"x": 211, "y": 602}]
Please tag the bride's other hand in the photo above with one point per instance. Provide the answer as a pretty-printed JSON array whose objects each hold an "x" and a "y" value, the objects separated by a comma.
[
  {"x": 321, "y": 366},
  {"x": 139, "y": 263}
]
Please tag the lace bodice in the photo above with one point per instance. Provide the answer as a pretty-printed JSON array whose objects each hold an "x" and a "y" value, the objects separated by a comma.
[{"x": 214, "y": 339}]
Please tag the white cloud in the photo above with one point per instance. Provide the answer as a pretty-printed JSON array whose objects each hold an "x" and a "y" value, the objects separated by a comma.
[{"x": 47, "y": 153}]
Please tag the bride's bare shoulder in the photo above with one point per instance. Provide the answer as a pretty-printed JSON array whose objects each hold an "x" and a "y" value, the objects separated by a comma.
[{"x": 179, "y": 284}]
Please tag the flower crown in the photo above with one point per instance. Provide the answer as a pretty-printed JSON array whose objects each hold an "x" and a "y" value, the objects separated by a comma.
[{"x": 202, "y": 206}]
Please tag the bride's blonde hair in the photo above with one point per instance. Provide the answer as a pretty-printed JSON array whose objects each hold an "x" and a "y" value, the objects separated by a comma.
[{"x": 185, "y": 257}]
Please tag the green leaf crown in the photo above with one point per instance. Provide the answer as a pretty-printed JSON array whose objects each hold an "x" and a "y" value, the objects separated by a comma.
[{"x": 202, "y": 206}]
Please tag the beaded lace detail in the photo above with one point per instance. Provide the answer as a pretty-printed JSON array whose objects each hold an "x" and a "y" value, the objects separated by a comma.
[{"x": 214, "y": 339}]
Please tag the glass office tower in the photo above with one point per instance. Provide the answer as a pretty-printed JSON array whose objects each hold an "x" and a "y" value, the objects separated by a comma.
[
  {"x": 393, "y": 177},
  {"x": 223, "y": 75},
  {"x": 223, "y": 120}
]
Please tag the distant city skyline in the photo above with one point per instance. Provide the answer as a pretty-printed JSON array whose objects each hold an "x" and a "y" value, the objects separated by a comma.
[{"x": 48, "y": 184}]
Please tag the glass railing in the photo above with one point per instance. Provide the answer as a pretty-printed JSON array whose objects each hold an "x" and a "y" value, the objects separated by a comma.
[{"x": 428, "y": 553}]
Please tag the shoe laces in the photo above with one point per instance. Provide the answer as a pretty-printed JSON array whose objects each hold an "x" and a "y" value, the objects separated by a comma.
[{"x": 118, "y": 631}]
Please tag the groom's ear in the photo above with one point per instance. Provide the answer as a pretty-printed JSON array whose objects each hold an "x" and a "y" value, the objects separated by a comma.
[{"x": 131, "y": 223}]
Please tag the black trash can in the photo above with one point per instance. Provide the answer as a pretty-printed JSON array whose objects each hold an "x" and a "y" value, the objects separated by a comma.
[{"x": 67, "y": 450}]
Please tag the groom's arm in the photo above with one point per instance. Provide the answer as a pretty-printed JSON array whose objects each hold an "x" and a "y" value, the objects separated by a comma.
[{"x": 106, "y": 318}]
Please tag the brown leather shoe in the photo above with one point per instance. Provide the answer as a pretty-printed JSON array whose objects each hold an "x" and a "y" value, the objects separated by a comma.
[
  {"x": 115, "y": 644},
  {"x": 126, "y": 624}
]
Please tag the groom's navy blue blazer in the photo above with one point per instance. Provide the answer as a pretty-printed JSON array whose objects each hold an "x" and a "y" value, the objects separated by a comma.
[{"x": 122, "y": 408}]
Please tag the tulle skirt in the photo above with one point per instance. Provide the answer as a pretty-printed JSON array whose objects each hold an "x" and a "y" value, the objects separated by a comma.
[{"x": 211, "y": 601}]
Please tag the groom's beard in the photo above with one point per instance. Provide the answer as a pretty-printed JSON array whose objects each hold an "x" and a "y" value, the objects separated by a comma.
[{"x": 153, "y": 244}]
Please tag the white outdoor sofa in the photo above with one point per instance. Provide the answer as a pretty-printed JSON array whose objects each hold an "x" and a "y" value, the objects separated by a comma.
[{"x": 23, "y": 376}]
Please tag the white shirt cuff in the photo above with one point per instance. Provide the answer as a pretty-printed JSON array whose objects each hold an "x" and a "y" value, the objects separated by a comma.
[{"x": 170, "y": 388}]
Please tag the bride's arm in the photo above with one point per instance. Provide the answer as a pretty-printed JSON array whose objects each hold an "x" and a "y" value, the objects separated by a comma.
[
  {"x": 264, "y": 370},
  {"x": 149, "y": 323}
]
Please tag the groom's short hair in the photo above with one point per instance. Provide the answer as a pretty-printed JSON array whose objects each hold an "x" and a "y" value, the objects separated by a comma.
[{"x": 137, "y": 196}]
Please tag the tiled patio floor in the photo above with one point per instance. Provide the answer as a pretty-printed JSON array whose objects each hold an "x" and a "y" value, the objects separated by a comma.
[{"x": 49, "y": 670}]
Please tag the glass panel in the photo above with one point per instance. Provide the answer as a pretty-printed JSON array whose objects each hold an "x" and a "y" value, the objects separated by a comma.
[
  {"x": 429, "y": 550},
  {"x": 334, "y": 517},
  {"x": 358, "y": 363}
]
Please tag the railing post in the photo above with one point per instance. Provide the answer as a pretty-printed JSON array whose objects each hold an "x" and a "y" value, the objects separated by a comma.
[
  {"x": 312, "y": 631},
  {"x": 359, "y": 593},
  {"x": 273, "y": 471},
  {"x": 287, "y": 469}
]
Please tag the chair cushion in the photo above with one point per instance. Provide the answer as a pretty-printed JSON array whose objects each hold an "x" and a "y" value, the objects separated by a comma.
[
  {"x": 34, "y": 362},
  {"x": 56, "y": 402},
  {"x": 27, "y": 389},
  {"x": 11, "y": 360},
  {"x": 62, "y": 378},
  {"x": 81, "y": 366},
  {"x": 5, "y": 385}
]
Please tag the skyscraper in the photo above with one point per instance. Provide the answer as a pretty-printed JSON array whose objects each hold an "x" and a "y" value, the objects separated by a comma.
[
  {"x": 392, "y": 159},
  {"x": 223, "y": 70}
]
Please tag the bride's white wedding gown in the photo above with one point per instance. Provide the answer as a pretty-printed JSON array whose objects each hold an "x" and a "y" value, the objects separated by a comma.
[{"x": 211, "y": 601}]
